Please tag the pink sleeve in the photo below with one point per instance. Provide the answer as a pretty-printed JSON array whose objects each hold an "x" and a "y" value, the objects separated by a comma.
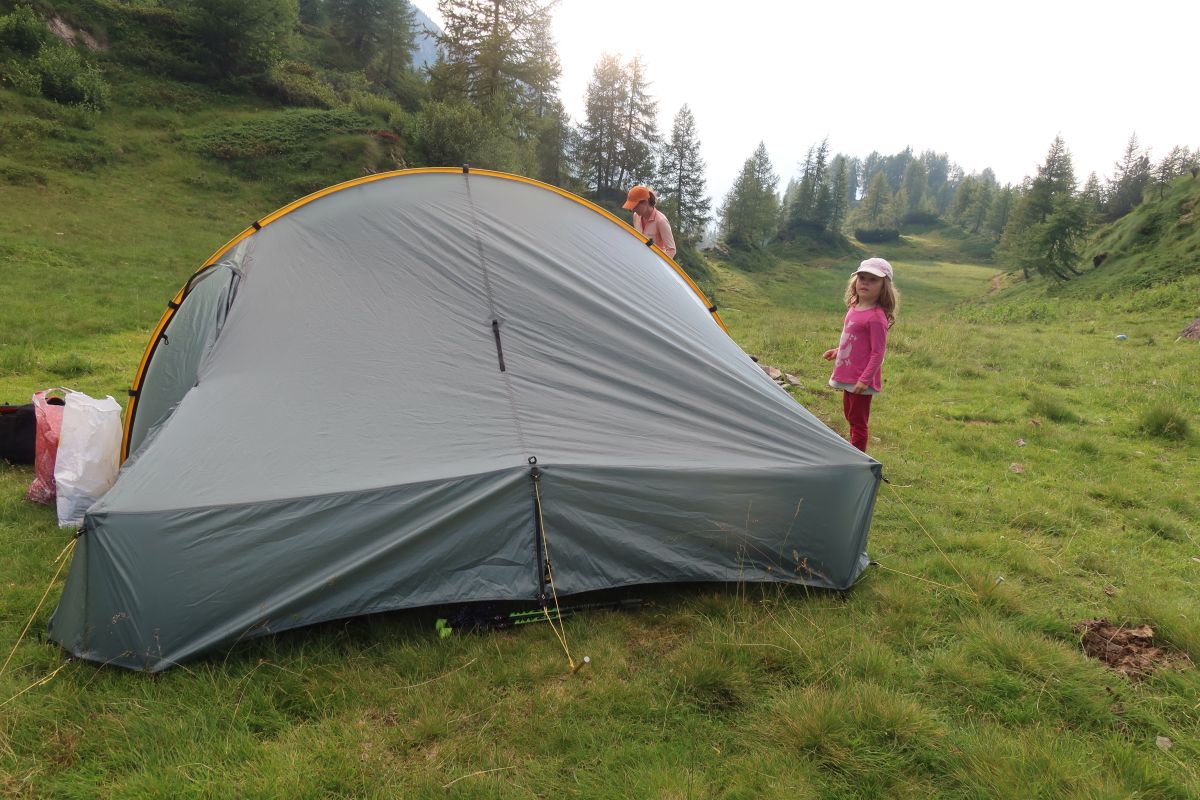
[
  {"x": 666, "y": 241},
  {"x": 878, "y": 331}
]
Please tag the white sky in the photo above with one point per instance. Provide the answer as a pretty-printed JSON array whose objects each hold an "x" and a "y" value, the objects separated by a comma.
[{"x": 989, "y": 85}]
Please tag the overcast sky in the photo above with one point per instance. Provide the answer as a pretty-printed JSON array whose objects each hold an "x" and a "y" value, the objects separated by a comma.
[{"x": 990, "y": 86}]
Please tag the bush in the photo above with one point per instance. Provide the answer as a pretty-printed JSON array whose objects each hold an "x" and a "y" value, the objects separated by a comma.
[
  {"x": 920, "y": 218},
  {"x": 22, "y": 33},
  {"x": 66, "y": 79},
  {"x": 280, "y": 134},
  {"x": 381, "y": 108},
  {"x": 298, "y": 84},
  {"x": 874, "y": 235},
  {"x": 449, "y": 134}
]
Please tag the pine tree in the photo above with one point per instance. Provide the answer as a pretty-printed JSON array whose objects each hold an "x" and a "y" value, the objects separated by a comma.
[
  {"x": 242, "y": 37},
  {"x": 875, "y": 211},
  {"x": 497, "y": 55},
  {"x": 370, "y": 27},
  {"x": 639, "y": 128},
  {"x": 840, "y": 194},
  {"x": 598, "y": 154},
  {"x": 681, "y": 178},
  {"x": 1046, "y": 228},
  {"x": 751, "y": 208},
  {"x": 978, "y": 209},
  {"x": 998, "y": 211},
  {"x": 1093, "y": 199},
  {"x": 1129, "y": 182},
  {"x": 914, "y": 184},
  {"x": 813, "y": 204}
]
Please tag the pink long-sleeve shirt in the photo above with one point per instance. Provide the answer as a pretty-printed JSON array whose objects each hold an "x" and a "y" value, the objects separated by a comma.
[
  {"x": 861, "y": 348},
  {"x": 658, "y": 229}
]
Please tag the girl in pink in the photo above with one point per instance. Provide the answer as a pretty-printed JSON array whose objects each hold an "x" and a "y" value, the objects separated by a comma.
[{"x": 871, "y": 302}]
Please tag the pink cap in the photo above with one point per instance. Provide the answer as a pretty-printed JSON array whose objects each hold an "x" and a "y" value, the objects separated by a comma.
[{"x": 876, "y": 266}]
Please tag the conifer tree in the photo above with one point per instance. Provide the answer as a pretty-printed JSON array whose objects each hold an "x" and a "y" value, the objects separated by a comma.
[
  {"x": 242, "y": 37},
  {"x": 1132, "y": 175},
  {"x": 370, "y": 27},
  {"x": 751, "y": 208},
  {"x": 681, "y": 178},
  {"x": 875, "y": 210},
  {"x": 619, "y": 138},
  {"x": 998, "y": 211},
  {"x": 598, "y": 153},
  {"x": 639, "y": 128},
  {"x": 812, "y": 207},
  {"x": 1092, "y": 197},
  {"x": 840, "y": 202},
  {"x": 978, "y": 209},
  {"x": 495, "y": 55},
  {"x": 1045, "y": 230}
]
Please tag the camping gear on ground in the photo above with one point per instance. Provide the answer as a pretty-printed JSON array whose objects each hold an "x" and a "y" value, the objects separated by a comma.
[
  {"x": 18, "y": 434},
  {"x": 89, "y": 446},
  {"x": 475, "y": 619},
  {"x": 48, "y": 414},
  {"x": 543, "y": 385}
]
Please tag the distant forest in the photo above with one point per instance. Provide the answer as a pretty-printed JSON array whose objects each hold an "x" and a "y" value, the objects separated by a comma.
[{"x": 491, "y": 99}]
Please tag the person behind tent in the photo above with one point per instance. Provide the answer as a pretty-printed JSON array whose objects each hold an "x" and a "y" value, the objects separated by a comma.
[
  {"x": 871, "y": 302},
  {"x": 648, "y": 220}
]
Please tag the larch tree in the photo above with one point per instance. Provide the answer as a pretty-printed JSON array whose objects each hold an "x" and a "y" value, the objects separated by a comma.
[
  {"x": 1046, "y": 228},
  {"x": 751, "y": 208},
  {"x": 1131, "y": 176},
  {"x": 639, "y": 128},
  {"x": 681, "y": 178},
  {"x": 598, "y": 151}
]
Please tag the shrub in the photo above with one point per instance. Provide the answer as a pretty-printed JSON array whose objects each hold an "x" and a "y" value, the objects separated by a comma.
[
  {"x": 1163, "y": 423},
  {"x": 449, "y": 134},
  {"x": 280, "y": 134},
  {"x": 23, "y": 79},
  {"x": 66, "y": 79},
  {"x": 381, "y": 108},
  {"x": 22, "y": 33},
  {"x": 299, "y": 84},
  {"x": 873, "y": 235},
  {"x": 20, "y": 175},
  {"x": 920, "y": 218}
]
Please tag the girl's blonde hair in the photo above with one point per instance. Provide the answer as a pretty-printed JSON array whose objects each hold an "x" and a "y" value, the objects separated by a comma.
[{"x": 889, "y": 298}]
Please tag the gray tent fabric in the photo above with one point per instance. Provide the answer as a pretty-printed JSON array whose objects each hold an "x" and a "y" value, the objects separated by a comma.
[{"x": 377, "y": 400}]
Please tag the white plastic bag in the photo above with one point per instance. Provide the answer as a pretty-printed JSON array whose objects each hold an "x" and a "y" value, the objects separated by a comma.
[{"x": 89, "y": 446}]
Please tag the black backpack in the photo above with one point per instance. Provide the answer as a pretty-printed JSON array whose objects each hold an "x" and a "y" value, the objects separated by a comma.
[{"x": 17, "y": 434}]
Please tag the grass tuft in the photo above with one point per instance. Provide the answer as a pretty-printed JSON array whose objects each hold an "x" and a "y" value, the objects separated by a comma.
[{"x": 1163, "y": 422}]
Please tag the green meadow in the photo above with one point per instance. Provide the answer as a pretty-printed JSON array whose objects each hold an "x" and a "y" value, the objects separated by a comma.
[{"x": 1040, "y": 472}]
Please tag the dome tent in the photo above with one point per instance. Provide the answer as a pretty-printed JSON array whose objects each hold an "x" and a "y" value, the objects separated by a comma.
[{"x": 390, "y": 393}]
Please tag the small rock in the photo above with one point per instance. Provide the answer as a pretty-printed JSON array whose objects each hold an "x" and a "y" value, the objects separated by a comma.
[
  {"x": 1020, "y": 442},
  {"x": 1163, "y": 742},
  {"x": 1110, "y": 590},
  {"x": 774, "y": 372},
  {"x": 792, "y": 379},
  {"x": 1017, "y": 468}
]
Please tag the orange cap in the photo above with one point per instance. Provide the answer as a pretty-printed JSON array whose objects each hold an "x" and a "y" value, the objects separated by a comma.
[{"x": 636, "y": 195}]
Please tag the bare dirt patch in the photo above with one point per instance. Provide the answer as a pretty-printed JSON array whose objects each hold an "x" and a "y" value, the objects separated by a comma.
[{"x": 1129, "y": 651}]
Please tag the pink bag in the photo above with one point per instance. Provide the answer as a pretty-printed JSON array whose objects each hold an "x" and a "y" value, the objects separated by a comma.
[{"x": 48, "y": 417}]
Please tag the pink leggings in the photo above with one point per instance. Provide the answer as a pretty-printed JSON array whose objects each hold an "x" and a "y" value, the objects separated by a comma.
[{"x": 857, "y": 408}]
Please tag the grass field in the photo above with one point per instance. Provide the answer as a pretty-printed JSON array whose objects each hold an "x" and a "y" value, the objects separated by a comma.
[{"x": 1040, "y": 471}]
